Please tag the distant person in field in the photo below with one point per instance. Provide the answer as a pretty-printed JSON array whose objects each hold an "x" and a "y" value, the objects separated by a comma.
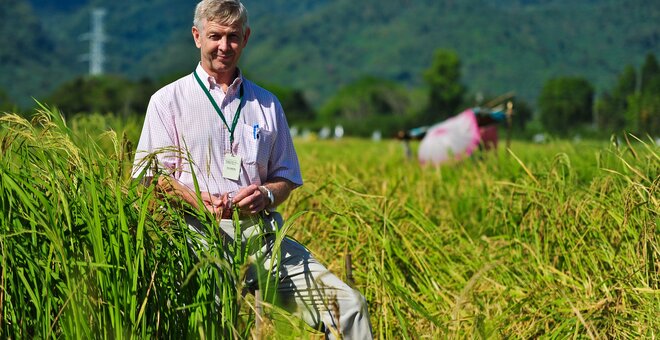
[{"x": 234, "y": 137}]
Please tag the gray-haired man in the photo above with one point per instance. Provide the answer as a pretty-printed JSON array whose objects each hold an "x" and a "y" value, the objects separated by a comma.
[{"x": 236, "y": 139}]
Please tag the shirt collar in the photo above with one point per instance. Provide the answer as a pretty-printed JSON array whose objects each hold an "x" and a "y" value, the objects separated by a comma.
[{"x": 212, "y": 85}]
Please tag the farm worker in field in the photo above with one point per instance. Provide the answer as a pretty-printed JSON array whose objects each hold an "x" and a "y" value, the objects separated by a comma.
[{"x": 231, "y": 135}]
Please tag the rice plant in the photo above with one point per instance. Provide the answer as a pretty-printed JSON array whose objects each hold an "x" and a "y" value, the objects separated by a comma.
[
  {"x": 86, "y": 252},
  {"x": 553, "y": 240},
  {"x": 556, "y": 240}
]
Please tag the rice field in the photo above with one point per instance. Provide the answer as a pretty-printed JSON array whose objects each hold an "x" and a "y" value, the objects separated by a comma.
[{"x": 559, "y": 240}]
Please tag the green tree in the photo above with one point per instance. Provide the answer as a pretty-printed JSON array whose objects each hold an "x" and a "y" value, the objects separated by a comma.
[
  {"x": 613, "y": 105},
  {"x": 650, "y": 73},
  {"x": 445, "y": 90},
  {"x": 6, "y": 105},
  {"x": 367, "y": 104},
  {"x": 633, "y": 104},
  {"x": 102, "y": 94},
  {"x": 296, "y": 107},
  {"x": 643, "y": 115},
  {"x": 565, "y": 102},
  {"x": 522, "y": 114}
]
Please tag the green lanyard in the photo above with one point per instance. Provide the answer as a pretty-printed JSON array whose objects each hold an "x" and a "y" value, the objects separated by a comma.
[{"x": 217, "y": 109}]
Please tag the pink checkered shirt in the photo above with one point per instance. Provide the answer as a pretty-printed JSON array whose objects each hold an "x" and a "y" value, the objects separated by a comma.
[{"x": 186, "y": 135}]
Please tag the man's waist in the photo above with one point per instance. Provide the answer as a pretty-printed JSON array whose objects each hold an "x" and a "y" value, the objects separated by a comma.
[
  {"x": 243, "y": 222},
  {"x": 261, "y": 224}
]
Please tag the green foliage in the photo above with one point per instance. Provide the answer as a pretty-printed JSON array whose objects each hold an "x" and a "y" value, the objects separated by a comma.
[
  {"x": 103, "y": 94},
  {"x": 633, "y": 103},
  {"x": 650, "y": 73},
  {"x": 5, "y": 103},
  {"x": 296, "y": 107},
  {"x": 643, "y": 113},
  {"x": 443, "y": 79},
  {"x": 565, "y": 103},
  {"x": 522, "y": 114},
  {"x": 614, "y": 104},
  {"x": 31, "y": 62},
  {"x": 504, "y": 46},
  {"x": 647, "y": 103},
  {"x": 26, "y": 38},
  {"x": 321, "y": 46},
  {"x": 366, "y": 105}
]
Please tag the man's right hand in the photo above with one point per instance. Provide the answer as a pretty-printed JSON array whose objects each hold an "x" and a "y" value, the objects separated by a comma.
[{"x": 216, "y": 205}]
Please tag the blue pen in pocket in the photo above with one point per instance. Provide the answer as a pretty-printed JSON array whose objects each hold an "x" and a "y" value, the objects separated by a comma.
[{"x": 255, "y": 131}]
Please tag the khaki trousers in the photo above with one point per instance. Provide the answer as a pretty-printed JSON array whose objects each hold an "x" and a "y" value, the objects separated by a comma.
[{"x": 305, "y": 287}]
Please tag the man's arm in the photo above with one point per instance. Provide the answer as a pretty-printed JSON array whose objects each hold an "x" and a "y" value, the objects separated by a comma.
[{"x": 171, "y": 187}]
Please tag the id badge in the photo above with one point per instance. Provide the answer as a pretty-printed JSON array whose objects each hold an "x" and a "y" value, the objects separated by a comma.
[{"x": 232, "y": 167}]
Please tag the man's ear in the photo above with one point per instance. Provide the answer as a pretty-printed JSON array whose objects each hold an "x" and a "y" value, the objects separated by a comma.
[
  {"x": 246, "y": 36},
  {"x": 196, "y": 33}
]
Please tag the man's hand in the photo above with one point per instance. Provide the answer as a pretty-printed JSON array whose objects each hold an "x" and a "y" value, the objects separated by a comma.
[
  {"x": 214, "y": 204},
  {"x": 250, "y": 200},
  {"x": 218, "y": 206}
]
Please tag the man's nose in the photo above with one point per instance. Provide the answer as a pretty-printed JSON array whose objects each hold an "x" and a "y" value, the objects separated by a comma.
[{"x": 223, "y": 44}]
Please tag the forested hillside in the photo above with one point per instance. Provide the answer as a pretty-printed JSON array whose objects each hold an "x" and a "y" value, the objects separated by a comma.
[
  {"x": 502, "y": 47},
  {"x": 319, "y": 46},
  {"x": 30, "y": 60}
]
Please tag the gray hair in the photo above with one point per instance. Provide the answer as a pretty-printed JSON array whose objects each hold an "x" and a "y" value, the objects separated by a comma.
[{"x": 226, "y": 12}]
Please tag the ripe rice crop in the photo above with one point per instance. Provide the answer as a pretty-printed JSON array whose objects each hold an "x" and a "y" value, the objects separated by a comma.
[{"x": 557, "y": 240}]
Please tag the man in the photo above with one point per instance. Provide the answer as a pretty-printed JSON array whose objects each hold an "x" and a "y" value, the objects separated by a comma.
[{"x": 221, "y": 131}]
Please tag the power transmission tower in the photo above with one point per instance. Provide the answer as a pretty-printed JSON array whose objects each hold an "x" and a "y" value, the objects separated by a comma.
[{"x": 96, "y": 38}]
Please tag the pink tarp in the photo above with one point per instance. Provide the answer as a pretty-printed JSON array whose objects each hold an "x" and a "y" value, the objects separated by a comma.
[{"x": 456, "y": 137}]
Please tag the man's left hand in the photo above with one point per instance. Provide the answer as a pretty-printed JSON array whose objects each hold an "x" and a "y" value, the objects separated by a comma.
[{"x": 250, "y": 200}]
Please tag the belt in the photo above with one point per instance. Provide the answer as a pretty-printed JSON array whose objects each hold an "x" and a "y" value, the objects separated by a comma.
[{"x": 261, "y": 224}]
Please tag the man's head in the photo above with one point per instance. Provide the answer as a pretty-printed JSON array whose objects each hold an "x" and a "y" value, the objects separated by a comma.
[
  {"x": 221, "y": 32},
  {"x": 225, "y": 12}
]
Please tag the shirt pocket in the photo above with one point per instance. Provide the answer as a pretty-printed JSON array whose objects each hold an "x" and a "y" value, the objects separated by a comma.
[{"x": 258, "y": 144}]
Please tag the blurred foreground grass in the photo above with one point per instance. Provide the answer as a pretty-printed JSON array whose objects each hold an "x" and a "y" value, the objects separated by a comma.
[{"x": 556, "y": 240}]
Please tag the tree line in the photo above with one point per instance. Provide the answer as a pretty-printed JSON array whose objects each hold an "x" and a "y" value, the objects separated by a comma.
[
  {"x": 632, "y": 104},
  {"x": 566, "y": 104}
]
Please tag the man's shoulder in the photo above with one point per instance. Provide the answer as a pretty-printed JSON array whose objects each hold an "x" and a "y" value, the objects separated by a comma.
[{"x": 176, "y": 87}]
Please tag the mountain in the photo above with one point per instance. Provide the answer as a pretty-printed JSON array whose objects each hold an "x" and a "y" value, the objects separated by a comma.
[
  {"x": 319, "y": 46},
  {"x": 503, "y": 45},
  {"x": 27, "y": 53}
]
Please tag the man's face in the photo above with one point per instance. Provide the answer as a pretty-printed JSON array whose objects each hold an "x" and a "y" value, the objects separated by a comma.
[{"x": 220, "y": 46}]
